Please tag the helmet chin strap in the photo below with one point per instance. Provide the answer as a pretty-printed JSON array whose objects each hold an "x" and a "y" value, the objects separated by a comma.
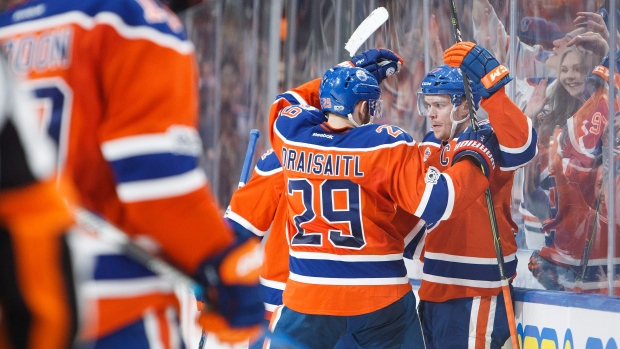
[
  {"x": 455, "y": 123},
  {"x": 350, "y": 116}
]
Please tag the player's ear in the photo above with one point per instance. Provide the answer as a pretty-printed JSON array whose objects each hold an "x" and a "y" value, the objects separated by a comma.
[
  {"x": 364, "y": 107},
  {"x": 463, "y": 109}
]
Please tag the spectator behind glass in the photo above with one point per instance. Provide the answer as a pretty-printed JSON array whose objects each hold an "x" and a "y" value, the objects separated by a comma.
[
  {"x": 533, "y": 63},
  {"x": 566, "y": 96},
  {"x": 567, "y": 261},
  {"x": 565, "y": 99}
]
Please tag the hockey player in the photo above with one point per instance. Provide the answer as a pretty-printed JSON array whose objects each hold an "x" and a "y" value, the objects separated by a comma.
[
  {"x": 117, "y": 82},
  {"x": 344, "y": 178},
  {"x": 37, "y": 296},
  {"x": 261, "y": 203},
  {"x": 461, "y": 282}
]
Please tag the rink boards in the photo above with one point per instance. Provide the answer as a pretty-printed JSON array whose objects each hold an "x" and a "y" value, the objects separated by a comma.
[{"x": 552, "y": 319}]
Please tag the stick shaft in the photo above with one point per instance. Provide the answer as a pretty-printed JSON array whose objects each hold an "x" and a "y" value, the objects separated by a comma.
[
  {"x": 587, "y": 248},
  {"x": 249, "y": 155},
  {"x": 510, "y": 313},
  {"x": 112, "y": 234}
]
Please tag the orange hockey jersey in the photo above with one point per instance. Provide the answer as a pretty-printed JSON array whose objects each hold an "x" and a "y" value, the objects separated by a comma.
[
  {"x": 256, "y": 207},
  {"x": 459, "y": 255},
  {"x": 117, "y": 84},
  {"x": 343, "y": 187},
  {"x": 261, "y": 203}
]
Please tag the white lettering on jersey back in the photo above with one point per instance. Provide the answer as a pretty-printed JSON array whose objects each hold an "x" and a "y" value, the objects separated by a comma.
[{"x": 47, "y": 50}]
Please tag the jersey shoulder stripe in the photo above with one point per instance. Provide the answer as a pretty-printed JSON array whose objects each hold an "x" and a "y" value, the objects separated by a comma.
[
  {"x": 298, "y": 125},
  {"x": 430, "y": 140},
  {"x": 268, "y": 163},
  {"x": 133, "y": 13}
]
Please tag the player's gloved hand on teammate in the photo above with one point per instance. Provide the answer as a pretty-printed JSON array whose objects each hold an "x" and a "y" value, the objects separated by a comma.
[
  {"x": 233, "y": 310},
  {"x": 479, "y": 146},
  {"x": 485, "y": 73},
  {"x": 380, "y": 62}
]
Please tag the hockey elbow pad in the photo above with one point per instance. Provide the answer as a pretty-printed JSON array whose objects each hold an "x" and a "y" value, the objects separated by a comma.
[
  {"x": 479, "y": 146},
  {"x": 485, "y": 74}
]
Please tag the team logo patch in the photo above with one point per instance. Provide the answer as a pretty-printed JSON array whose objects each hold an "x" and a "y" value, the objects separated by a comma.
[
  {"x": 427, "y": 153},
  {"x": 184, "y": 140},
  {"x": 361, "y": 75},
  {"x": 390, "y": 72},
  {"x": 432, "y": 176}
]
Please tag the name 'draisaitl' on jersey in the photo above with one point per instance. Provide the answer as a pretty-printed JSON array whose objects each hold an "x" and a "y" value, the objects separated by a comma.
[{"x": 335, "y": 165}]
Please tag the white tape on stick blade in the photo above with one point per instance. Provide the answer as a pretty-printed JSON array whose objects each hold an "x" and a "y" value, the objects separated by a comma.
[{"x": 368, "y": 26}]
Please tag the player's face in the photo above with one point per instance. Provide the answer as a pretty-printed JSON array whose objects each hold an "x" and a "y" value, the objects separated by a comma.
[
  {"x": 572, "y": 76},
  {"x": 439, "y": 108}
]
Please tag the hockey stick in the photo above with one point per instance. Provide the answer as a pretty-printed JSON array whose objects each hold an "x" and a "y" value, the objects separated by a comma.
[
  {"x": 112, "y": 234},
  {"x": 587, "y": 248},
  {"x": 510, "y": 313},
  {"x": 243, "y": 179},
  {"x": 249, "y": 154},
  {"x": 368, "y": 26}
]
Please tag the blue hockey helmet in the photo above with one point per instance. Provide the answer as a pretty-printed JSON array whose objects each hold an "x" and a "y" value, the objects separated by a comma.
[
  {"x": 343, "y": 87},
  {"x": 444, "y": 80}
]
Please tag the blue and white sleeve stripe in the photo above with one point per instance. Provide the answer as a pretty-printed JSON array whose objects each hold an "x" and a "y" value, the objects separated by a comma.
[
  {"x": 437, "y": 201},
  {"x": 155, "y": 166},
  {"x": 513, "y": 158}
]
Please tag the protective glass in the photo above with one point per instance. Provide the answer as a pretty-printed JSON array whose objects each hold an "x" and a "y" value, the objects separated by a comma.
[
  {"x": 375, "y": 108},
  {"x": 423, "y": 107}
]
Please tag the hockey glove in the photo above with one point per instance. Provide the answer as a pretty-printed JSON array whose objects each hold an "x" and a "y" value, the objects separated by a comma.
[
  {"x": 479, "y": 146},
  {"x": 485, "y": 73},
  {"x": 380, "y": 62},
  {"x": 234, "y": 311}
]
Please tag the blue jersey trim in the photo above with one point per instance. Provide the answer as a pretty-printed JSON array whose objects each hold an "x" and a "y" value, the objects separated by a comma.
[
  {"x": 128, "y": 10},
  {"x": 240, "y": 231},
  {"x": 413, "y": 244},
  {"x": 269, "y": 163},
  {"x": 515, "y": 160},
  {"x": 152, "y": 166},
  {"x": 347, "y": 270},
  {"x": 271, "y": 295},
  {"x": 305, "y": 128},
  {"x": 437, "y": 203},
  {"x": 455, "y": 270},
  {"x": 114, "y": 266}
]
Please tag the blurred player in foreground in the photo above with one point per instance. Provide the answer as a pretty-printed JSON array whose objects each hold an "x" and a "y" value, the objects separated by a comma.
[
  {"x": 37, "y": 296},
  {"x": 117, "y": 85}
]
